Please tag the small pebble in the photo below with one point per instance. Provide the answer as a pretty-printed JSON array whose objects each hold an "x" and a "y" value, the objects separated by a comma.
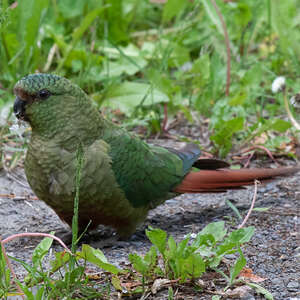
[
  {"x": 248, "y": 296},
  {"x": 276, "y": 282},
  {"x": 293, "y": 286}
]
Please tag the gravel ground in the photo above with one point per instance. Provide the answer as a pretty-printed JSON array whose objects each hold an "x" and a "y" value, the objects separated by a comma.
[{"x": 273, "y": 253}]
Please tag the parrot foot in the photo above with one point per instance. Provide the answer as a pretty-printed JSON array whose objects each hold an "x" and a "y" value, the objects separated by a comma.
[
  {"x": 111, "y": 242},
  {"x": 119, "y": 241},
  {"x": 65, "y": 235}
]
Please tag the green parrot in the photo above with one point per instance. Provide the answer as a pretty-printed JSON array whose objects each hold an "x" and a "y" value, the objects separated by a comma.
[{"x": 122, "y": 177}]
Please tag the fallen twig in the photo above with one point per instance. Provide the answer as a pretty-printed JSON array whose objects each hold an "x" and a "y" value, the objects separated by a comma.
[
  {"x": 25, "y": 234},
  {"x": 18, "y": 198},
  {"x": 269, "y": 153},
  {"x": 256, "y": 182}
]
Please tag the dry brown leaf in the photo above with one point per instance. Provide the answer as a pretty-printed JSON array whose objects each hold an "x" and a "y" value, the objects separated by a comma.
[
  {"x": 260, "y": 140},
  {"x": 130, "y": 285},
  {"x": 248, "y": 276}
]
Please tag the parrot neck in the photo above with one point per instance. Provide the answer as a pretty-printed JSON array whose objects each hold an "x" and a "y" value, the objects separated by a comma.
[{"x": 68, "y": 125}]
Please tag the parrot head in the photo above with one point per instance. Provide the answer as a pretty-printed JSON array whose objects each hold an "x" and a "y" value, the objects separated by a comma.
[
  {"x": 55, "y": 107},
  {"x": 40, "y": 90}
]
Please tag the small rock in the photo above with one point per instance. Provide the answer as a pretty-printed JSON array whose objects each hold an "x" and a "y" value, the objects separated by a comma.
[
  {"x": 276, "y": 282},
  {"x": 242, "y": 292},
  {"x": 293, "y": 286},
  {"x": 248, "y": 297}
]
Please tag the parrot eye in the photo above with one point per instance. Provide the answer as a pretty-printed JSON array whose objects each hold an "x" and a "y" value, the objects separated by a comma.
[{"x": 44, "y": 94}]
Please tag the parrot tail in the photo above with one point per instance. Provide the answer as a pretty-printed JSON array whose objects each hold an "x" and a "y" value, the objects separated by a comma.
[{"x": 224, "y": 179}]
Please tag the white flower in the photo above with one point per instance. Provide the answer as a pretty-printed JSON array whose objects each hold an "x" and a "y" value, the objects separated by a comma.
[
  {"x": 192, "y": 235},
  {"x": 278, "y": 84}
]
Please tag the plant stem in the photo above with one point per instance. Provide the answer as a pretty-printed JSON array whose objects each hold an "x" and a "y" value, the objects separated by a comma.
[
  {"x": 79, "y": 157},
  {"x": 227, "y": 46}
]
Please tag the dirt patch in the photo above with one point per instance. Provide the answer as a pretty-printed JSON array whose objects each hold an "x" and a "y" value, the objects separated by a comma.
[{"x": 273, "y": 253}]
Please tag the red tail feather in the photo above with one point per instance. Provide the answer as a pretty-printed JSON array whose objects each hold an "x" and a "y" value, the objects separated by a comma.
[{"x": 221, "y": 180}]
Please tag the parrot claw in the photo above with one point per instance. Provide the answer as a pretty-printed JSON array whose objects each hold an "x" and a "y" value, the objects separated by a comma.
[
  {"x": 112, "y": 242},
  {"x": 64, "y": 235}
]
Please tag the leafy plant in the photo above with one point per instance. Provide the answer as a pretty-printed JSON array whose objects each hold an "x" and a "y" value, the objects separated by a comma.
[{"x": 190, "y": 259}]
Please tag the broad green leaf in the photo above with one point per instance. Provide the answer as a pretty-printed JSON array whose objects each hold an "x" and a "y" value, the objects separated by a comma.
[
  {"x": 41, "y": 250},
  {"x": 96, "y": 257},
  {"x": 252, "y": 77},
  {"x": 243, "y": 14},
  {"x": 235, "y": 239},
  {"x": 194, "y": 265},
  {"x": 138, "y": 263},
  {"x": 158, "y": 238},
  {"x": 61, "y": 258},
  {"x": 227, "y": 247},
  {"x": 280, "y": 125},
  {"x": 216, "y": 229},
  {"x": 172, "y": 248},
  {"x": 130, "y": 50},
  {"x": 122, "y": 66},
  {"x": 224, "y": 132},
  {"x": 151, "y": 257},
  {"x": 242, "y": 235},
  {"x": 173, "y": 8},
  {"x": 238, "y": 99},
  {"x": 238, "y": 267},
  {"x": 128, "y": 95},
  {"x": 183, "y": 247},
  {"x": 164, "y": 84},
  {"x": 204, "y": 244},
  {"x": 227, "y": 130}
]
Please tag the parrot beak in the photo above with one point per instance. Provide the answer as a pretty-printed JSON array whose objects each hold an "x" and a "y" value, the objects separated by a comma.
[{"x": 19, "y": 108}]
